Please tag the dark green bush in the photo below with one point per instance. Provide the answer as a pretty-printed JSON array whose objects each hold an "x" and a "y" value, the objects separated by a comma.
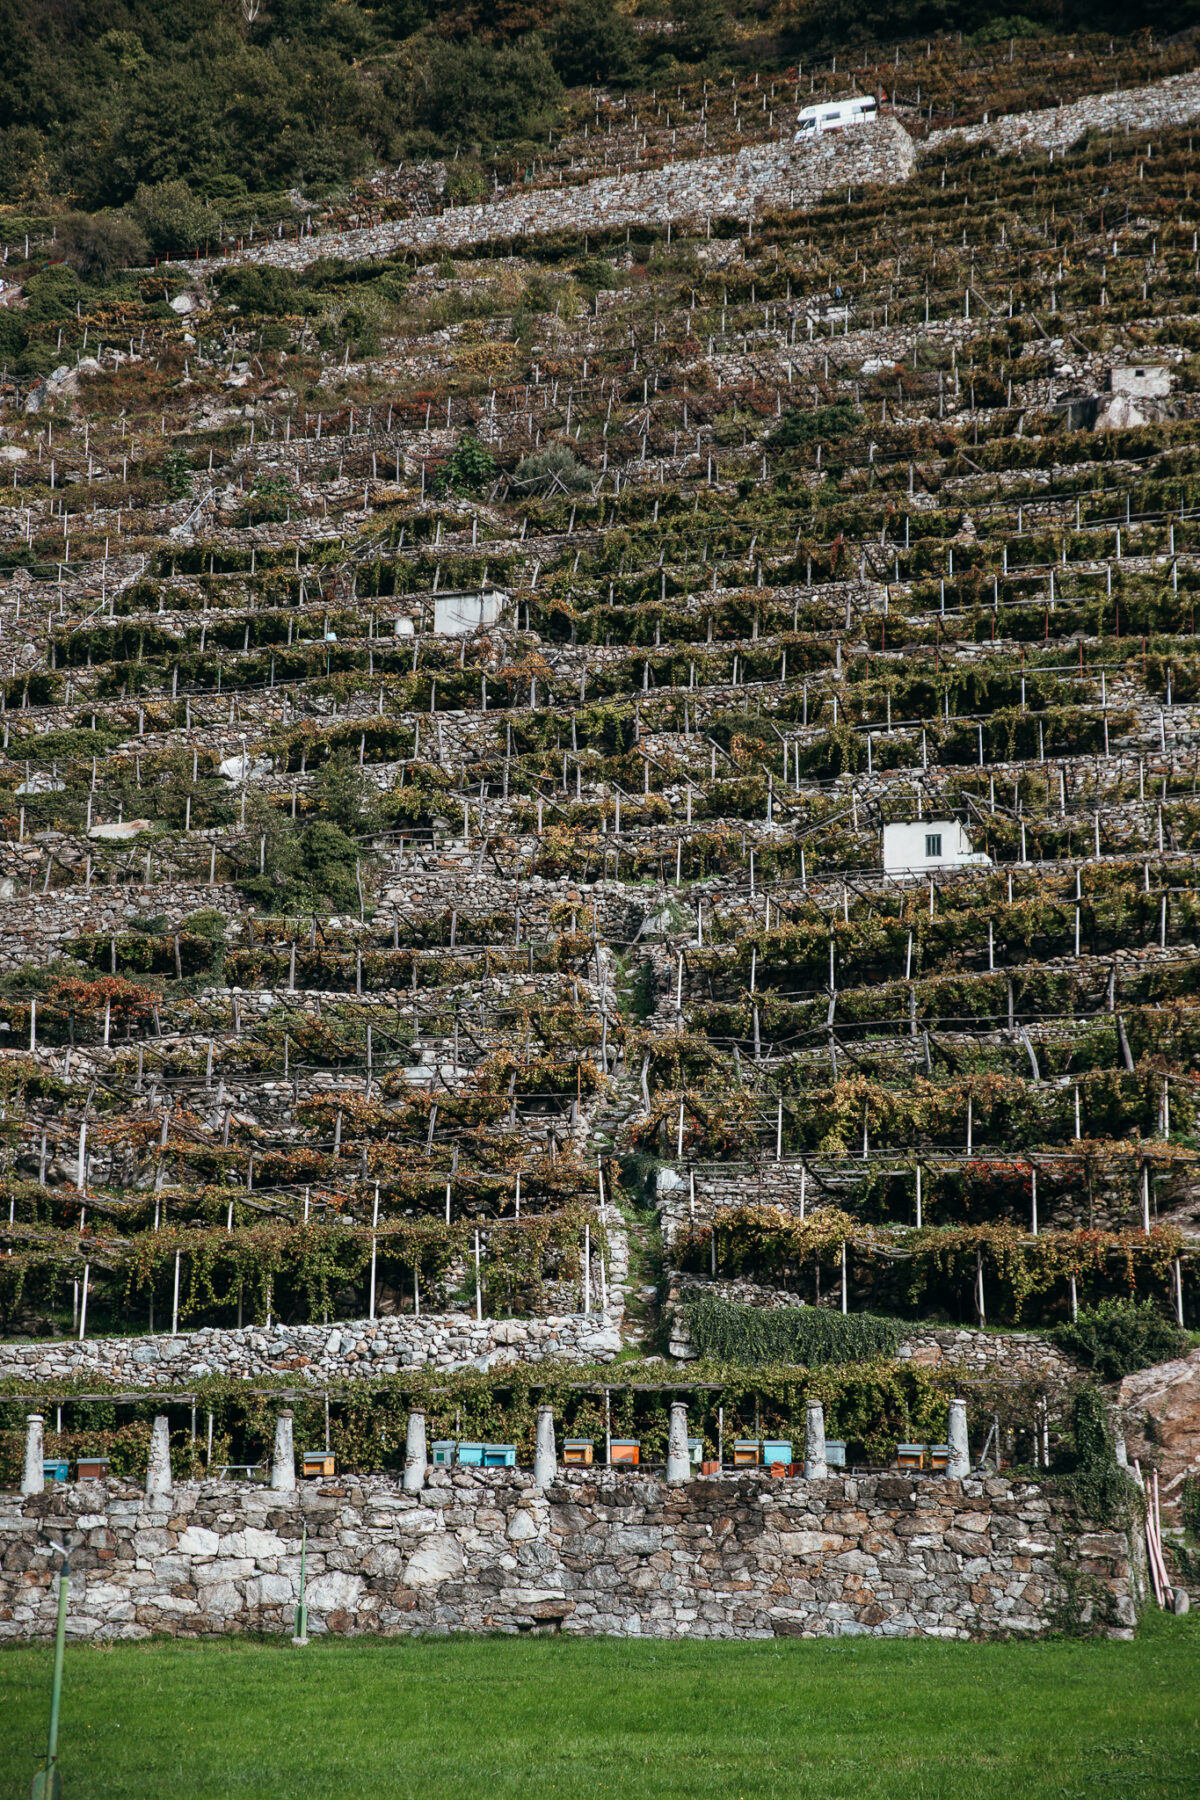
[
  {"x": 1104, "y": 1491},
  {"x": 172, "y": 218},
  {"x": 98, "y": 244},
  {"x": 262, "y": 290},
  {"x": 54, "y": 293},
  {"x": 810, "y": 1335},
  {"x": 1190, "y": 1506},
  {"x": 1118, "y": 1336},
  {"x": 799, "y": 426},
  {"x": 469, "y": 467}
]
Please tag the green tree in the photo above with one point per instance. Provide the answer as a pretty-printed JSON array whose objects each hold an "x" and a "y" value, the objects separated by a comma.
[
  {"x": 704, "y": 29},
  {"x": 173, "y": 218},
  {"x": 591, "y": 41},
  {"x": 472, "y": 90},
  {"x": 99, "y": 244}
]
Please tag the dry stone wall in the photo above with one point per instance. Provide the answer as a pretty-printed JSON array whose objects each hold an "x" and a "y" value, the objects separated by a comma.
[
  {"x": 740, "y": 185},
  {"x": 590, "y": 1554},
  {"x": 318, "y": 1352},
  {"x": 707, "y": 187},
  {"x": 1152, "y": 108}
]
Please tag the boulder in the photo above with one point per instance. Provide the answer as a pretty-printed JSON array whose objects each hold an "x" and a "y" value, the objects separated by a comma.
[
  {"x": 1161, "y": 1408},
  {"x": 120, "y": 834}
]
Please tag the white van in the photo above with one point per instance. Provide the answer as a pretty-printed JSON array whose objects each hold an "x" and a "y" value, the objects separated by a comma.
[{"x": 835, "y": 115}]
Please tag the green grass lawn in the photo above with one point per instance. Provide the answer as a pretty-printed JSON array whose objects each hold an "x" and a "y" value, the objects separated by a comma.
[{"x": 435, "y": 1717}]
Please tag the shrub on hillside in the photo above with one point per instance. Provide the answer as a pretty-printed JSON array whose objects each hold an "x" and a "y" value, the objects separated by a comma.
[
  {"x": 173, "y": 218},
  {"x": 1118, "y": 1336},
  {"x": 97, "y": 245},
  {"x": 541, "y": 472},
  {"x": 810, "y": 1335},
  {"x": 52, "y": 294}
]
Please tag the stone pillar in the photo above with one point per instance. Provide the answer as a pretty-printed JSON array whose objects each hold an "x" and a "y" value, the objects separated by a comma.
[
  {"x": 679, "y": 1466},
  {"x": 158, "y": 1470},
  {"x": 958, "y": 1463},
  {"x": 283, "y": 1459},
  {"x": 414, "y": 1454},
  {"x": 545, "y": 1455},
  {"x": 815, "y": 1466},
  {"x": 33, "y": 1476}
]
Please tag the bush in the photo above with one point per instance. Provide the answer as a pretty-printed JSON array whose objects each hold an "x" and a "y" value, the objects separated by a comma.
[
  {"x": 544, "y": 469},
  {"x": 36, "y": 360},
  {"x": 176, "y": 472},
  {"x": 999, "y": 31},
  {"x": 595, "y": 273},
  {"x": 810, "y": 1335},
  {"x": 470, "y": 467},
  {"x": 1119, "y": 1336},
  {"x": 799, "y": 426},
  {"x": 470, "y": 90},
  {"x": 465, "y": 180},
  {"x": 358, "y": 323},
  {"x": 1103, "y": 1490},
  {"x": 591, "y": 41},
  {"x": 43, "y": 748},
  {"x": 1189, "y": 1509},
  {"x": 52, "y": 294},
  {"x": 271, "y": 499},
  {"x": 98, "y": 244},
  {"x": 262, "y": 290},
  {"x": 173, "y": 218}
]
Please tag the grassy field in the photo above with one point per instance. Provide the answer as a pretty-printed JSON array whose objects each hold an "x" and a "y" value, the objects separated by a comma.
[{"x": 540, "y": 1717}]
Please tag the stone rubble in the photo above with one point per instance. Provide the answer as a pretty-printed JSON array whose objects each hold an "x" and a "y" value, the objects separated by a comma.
[{"x": 711, "y": 187}]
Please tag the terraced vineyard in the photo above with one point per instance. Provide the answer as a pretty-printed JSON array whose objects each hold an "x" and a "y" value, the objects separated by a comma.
[{"x": 451, "y": 715}]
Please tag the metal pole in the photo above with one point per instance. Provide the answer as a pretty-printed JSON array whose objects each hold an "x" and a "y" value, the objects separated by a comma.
[
  {"x": 47, "y": 1783},
  {"x": 301, "y": 1636}
]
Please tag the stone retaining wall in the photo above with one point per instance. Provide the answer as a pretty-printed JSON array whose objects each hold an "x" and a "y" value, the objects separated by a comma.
[
  {"x": 318, "y": 1353},
  {"x": 1155, "y": 107},
  {"x": 731, "y": 1557},
  {"x": 741, "y": 184},
  {"x": 732, "y": 186}
]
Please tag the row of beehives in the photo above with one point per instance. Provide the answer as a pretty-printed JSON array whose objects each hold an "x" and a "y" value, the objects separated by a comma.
[{"x": 774, "y": 1454}]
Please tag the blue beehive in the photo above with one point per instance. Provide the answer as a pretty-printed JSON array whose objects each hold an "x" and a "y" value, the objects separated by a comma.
[
  {"x": 56, "y": 1468},
  {"x": 499, "y": 1456},
  {"x": 777, "y": 1450},
  {"x": 471, "y": 1455},
  {"x": 443, "y": 1452},
  {"x": 835, "y": 1453}
]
